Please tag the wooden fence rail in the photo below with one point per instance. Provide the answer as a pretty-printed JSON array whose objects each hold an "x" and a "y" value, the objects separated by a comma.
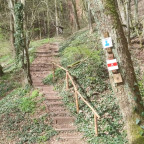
[{"x": 77, "y": 95}]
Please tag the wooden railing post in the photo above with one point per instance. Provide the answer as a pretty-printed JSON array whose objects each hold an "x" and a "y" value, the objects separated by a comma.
[
  {"x": 77, "y": 103},
  {"x": 53, "y": 67},
  {"x": 67, "y": 83},
  {"x": 96, "y": 126}
]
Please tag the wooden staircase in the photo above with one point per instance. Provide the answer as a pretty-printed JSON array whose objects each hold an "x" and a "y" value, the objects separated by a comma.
[{"x": 62, "y": 121}]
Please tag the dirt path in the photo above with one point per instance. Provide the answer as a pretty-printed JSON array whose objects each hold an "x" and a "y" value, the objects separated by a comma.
[{"x": 62, "y": 121}]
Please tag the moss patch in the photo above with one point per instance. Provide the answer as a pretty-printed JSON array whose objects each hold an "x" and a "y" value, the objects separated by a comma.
[{"x": 136, "y": 132}]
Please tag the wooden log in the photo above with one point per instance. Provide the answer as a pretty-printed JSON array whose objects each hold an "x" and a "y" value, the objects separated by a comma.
[
  {"x": 67, "y": 83},
  {"x": 96, "y": 125},
  {"x": 87, "y": 103},
  {"x": 77, "y": 103},
  {"x": 53, "y": 73},
  {"x": 59, "y": 66},
  {"x": 75, "y": 88}
]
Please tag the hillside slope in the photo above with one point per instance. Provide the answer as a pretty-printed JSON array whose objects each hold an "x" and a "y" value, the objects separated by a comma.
[{"x": 83, "y": 56}]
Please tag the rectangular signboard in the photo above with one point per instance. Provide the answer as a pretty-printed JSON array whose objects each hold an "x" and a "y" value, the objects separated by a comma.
[
  {"x": 107, "y": 42},
  {"x": 112, "y": 64}
]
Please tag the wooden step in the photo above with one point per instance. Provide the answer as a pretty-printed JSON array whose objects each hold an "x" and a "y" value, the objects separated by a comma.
[
  {"x": 75, "y": 137},
  {"x": 63, "y": 120},
  {"x": 69, "y": 125},
  {"x": 51, "y": 94},
  {"x": 53, "y": 103},
  {"x": 52, "y": 97},
  {"x": 59, "y": 113},
  {"x": 37, "y": 84},
  {"x": 39, "y": 70},
  {"x": 42, "y": 64},
  {"x": 41, "y": 52},
  {"x": 65, "y": 129},
  {"x": 47, "y": 89},
  {"x": 69, "y": 141},
  {"x": 52, "y": 109}
]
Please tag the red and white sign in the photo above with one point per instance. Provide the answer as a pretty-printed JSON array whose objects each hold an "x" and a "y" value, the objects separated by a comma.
[{"x": 112, "y": 64}]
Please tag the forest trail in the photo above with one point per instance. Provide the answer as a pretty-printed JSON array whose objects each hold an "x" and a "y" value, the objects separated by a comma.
[{"x": 62, "y": 121}]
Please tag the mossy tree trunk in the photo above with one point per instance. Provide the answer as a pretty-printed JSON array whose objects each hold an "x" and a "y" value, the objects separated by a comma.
[
  {"x": 21, "y": 40},
  {"x": 127, "y": 93}
]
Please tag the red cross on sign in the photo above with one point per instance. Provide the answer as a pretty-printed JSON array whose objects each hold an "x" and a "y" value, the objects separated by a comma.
[{"x": 112, "y": 64}]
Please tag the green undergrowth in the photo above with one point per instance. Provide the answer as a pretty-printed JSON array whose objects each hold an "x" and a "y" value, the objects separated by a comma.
[
  {"x": 110, "y": 125},
  {"x": 5, "y": 48},
  {"x": 23, "y": 117},
  {"x": 49, "y": 79},
  {"x": 8, "y": 61},
  {"x": 18, "y": 121},
  {"x": 39, "y": 43},
  {"x": 141, "y": 84},
  {"x": 9, "y": 82},
  {"x": 83, "y": 56}
]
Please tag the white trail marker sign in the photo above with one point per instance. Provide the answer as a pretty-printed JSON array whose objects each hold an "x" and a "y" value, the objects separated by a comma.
[
  {"x": 107, "y": 42},
  {"x": 112, "y": 64}
]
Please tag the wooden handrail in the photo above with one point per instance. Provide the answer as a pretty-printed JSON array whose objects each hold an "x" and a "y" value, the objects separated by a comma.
[
  {"x": 96, "y": 115},
  {"x": 59, "y": 66},
  {"x": 72, "y": 82},
  {"x": 87, "y": 103}
]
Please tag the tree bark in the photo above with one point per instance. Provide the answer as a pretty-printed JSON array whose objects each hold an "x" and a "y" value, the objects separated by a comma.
[
  {"x": 136, "y": 11},
  {"x": 127, "y": 93},
  {"x": 90, "y": 19},
  {"x": 56, "y": 18},
  {"x": 1, "y": 71},
  {"x": 122, "y": 12},
  {"x": 12, "y": 18},
  {"x": 12, "y": 39},
  {"x": 26, "y": 47},
  {"x": 75, "y": 14},
  {"x": 128, "y": 9}
]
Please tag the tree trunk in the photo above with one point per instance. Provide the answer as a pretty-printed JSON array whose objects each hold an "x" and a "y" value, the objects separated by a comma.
[
  {"x": 26, "y": 47},
  {"x": 122, "y": 11},
  {"x": 128, "y": 10},
  {"x": 39, "y": 23},
  {"x": 27, "y": 69},
  {"x": 90, "y": 19},
  {"x": 12, "y": 39},
  {"x": 136, "y": 11},
  {"x": 48, "y": 21},
  {"x": 127, "y": 93},
  {"x": 56, "y": 18},
  {"x": 1, "y": 71},
  {"x": 75, "y": 14},
  {"x": 22, "y": 39}
]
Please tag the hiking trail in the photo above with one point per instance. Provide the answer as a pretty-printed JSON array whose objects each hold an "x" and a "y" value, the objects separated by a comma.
[{"x": 62, "y": 121}]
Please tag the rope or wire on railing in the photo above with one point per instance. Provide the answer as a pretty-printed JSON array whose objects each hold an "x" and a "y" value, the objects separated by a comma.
[{"x": 76, "y": 94}]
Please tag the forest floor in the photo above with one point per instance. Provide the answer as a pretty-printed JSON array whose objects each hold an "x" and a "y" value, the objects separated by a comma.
[{"x": 62, "y": 121}]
